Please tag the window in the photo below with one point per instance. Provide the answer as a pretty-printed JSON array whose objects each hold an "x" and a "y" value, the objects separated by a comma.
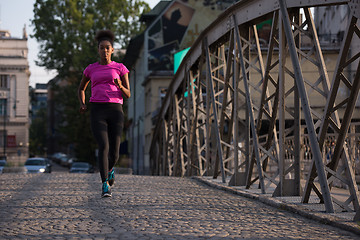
[
  {"x": 3, "y": 105},
  {"x": 2, "y": 140},
  {"x": 4, "y": 81}
]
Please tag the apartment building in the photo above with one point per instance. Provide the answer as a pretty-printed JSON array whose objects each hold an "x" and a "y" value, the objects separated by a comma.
[
  {"x": 14, "y": 98},
  {"x": 172, "y": 26}
]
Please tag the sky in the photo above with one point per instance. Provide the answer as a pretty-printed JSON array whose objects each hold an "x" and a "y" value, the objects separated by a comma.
[{"x": 14, "y": 15}]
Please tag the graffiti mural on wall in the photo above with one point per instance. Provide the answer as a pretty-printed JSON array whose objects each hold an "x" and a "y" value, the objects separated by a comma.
[
  {"x": 166, "y": 35},
  {"x": 178, "y": 28}
]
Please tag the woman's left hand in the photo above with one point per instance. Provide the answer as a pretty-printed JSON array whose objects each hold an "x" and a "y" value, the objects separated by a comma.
[
  {"x": 118, "y": 82},
  {"x": 123, "y": 84}
]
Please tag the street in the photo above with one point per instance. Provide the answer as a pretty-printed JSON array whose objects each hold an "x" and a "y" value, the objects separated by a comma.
[
  {"x": 58, "y": 168},
  {"x": 61, "y": 205}
]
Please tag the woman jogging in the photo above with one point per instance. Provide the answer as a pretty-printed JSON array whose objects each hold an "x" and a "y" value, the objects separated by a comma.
[{"x": 109, "y": 85}]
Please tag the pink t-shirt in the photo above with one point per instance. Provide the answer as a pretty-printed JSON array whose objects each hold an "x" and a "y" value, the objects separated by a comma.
[{"x": 103, "y": 88}]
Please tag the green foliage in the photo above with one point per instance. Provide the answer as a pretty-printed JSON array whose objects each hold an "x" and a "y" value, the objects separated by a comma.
[
  {"x": 66, "y": 30},
  {"x": 73, "y": 126}
]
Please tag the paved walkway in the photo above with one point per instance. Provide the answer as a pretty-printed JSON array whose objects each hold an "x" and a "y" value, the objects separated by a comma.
[
  {"x": 312, "y": 210},
  {"x": 68, "y": 206}
]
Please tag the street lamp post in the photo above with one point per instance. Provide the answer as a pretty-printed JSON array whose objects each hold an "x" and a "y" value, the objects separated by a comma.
[
  {"x": 4, "y": 136},
  {"x": 4, "y": 114}
]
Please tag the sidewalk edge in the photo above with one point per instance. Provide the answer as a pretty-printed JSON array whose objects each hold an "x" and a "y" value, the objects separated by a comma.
[{"x": 320, "y": 217}]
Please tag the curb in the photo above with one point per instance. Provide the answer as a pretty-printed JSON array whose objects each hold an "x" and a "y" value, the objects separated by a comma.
[{"x": 317, "y": 216}]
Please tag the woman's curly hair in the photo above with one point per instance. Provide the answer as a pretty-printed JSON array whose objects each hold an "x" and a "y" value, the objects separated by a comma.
[{"x": 105, "y": 35}]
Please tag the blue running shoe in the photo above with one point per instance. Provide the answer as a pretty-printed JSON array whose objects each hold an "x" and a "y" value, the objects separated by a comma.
[
  {"x": 111, "y": 177},
  {"x": 106, "y": 191}
]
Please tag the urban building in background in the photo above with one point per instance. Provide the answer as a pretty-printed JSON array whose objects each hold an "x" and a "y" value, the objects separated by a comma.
[
  {"x": 172, "y": 26},
  {"x": 40, "y": 95},
  {"x": 14, "y": 98},
  {"x": 53, "y": 119},
  {"x": 332, "y": 22}
]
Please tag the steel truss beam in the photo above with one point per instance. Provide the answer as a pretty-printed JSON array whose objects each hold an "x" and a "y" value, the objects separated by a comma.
[
  {"x": 331, "y": 119},
  {"x": 228, "y": 107}
]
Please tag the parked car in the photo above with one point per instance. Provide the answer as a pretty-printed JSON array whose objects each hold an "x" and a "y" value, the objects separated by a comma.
[
  {"x": 63, "y": 160},
  {"x": 2, "y": 164},
  {"x": 71, "y": 161},
  {"x": 81, "y": 167},
  {"x": 38, "y": 165},
  {"x": 56, "y": 157},
  {"x": 66, "y": 161}
]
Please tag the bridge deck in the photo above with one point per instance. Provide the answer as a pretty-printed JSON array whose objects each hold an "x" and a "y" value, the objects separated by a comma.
[{"x": 64, "y": 205}]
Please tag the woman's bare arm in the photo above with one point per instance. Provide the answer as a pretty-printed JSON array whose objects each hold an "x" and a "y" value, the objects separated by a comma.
[
  {"x": 81, "y": 93},
  {"x": 124, "y": 85}
]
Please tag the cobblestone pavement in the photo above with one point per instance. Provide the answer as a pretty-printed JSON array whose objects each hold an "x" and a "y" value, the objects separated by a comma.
[{"x": 69, "y": 206}]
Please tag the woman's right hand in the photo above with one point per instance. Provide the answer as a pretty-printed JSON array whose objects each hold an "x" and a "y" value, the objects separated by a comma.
[
  {"x": 83, "y": 108},
  {"x": 81, "y": 93}
]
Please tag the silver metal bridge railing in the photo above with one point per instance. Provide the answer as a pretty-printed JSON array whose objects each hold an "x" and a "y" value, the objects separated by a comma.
[{"x": 229, "y": 91}]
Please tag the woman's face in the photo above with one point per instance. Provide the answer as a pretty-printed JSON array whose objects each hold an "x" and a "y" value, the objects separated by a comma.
[{"x": 105, "y": 50}]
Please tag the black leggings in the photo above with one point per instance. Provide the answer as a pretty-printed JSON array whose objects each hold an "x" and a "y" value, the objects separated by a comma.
[{"x": 107, "y": 121}]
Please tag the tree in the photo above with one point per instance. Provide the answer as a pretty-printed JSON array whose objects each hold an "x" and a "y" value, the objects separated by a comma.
[{"x": 66, "y": 30}]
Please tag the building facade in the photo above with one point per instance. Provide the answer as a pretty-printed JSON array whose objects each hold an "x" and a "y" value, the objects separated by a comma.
[
  {"x": 172, "y": 26},
  {"x": 332, "y": 23},
  {"x": 14, "y": 98},
  {"x": 40, "y": 93},
  {"x": 53, "y": 135}
]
